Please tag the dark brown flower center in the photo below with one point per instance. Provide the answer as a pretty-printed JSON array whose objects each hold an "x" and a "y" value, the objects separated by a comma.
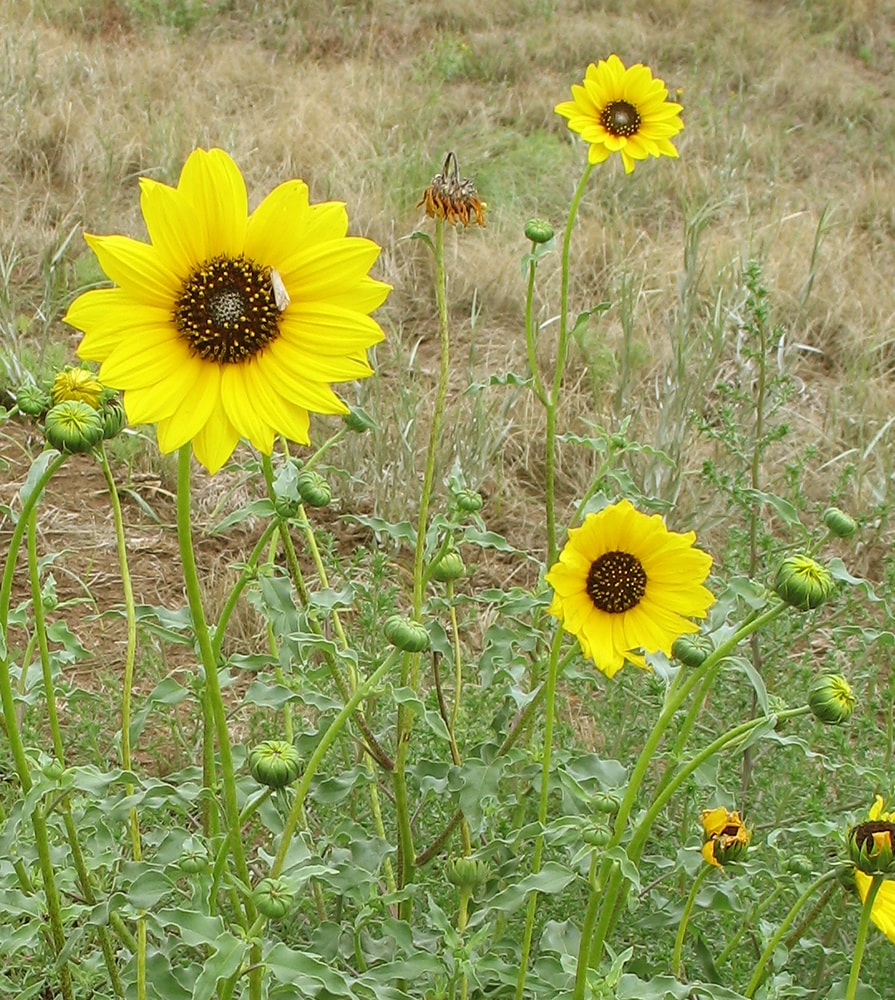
[
  {"x": 616, "y": 582},
  {"x": 872, "y": 836},
  {"x": 620, "y": 118},
  {"x": 226, "y": 310}
]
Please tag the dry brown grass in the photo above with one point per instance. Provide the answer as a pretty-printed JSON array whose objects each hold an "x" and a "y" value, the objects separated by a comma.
[{"x": 790, "y": 118}]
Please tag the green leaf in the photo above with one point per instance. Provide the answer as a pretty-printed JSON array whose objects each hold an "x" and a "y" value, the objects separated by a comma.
[
  {"x": 306, "y": 974},
  {"x": 552, "y": 878},
  {"x": 222, "y": 964}
]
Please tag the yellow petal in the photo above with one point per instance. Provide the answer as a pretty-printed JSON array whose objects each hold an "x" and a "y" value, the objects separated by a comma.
[{"x": 136, "y": 267}]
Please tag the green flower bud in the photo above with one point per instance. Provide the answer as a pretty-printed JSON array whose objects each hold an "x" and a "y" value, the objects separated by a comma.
[
  {"x": 273, "y": 898},
  {"x": 194, "y": 858},
  {"x": 538, "y": 231},
  {"x": 597, "y": 836},
  {"x": 359, "y": 420},
  {"x": 776, "y": 705},
  {"x": 286, "y": 506},
  {"x": 606, "y": 802},
  {"x": 467, "y": 873},
  {"x": 53, "y": 769},
  {"x": 406, "y": 634},
  {"x": 73, "y": 426},
  {"x": 469, "y": 502},
  {"x": 831, "y": 699},
  {"x": 798, "y": 864},
  {"x": 871, "y": 847},
  {"x": 275, "y": 763},
  {"x": 839, "y": 523},
  {"x": 449, "y": 567},
  {"x": 314, "y": 490},
  {"x": 803, "y": 583},
  {"x": 692, "y": 650},
  {"x": 32, "y": 400},
  {"x": 77, "y": 384},
  {"x": 112, "y": 413}
]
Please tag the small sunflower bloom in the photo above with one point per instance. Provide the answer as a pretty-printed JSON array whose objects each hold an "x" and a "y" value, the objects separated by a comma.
[
  {"x": 452, "y": 197},
  {"x": 230, "y": 325},
  {"x": 871, "y": 844},
  {"x": 625, "y": 585},
  {"x": 77, "y": 383},
  {"x": 624, "y": 111},
  {"x": 803, "y": 582},
  {"x": 725, "y": 837}
]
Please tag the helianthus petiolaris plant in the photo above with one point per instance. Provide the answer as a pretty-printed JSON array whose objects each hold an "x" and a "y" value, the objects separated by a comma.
[{"x": 388, "y": 798}]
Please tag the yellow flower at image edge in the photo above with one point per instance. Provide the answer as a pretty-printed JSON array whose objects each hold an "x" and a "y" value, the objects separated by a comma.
[
  {"x": 625, "y": 583},
  {"x": 883, "y": 912},
  {"x": 625, "y": 111},
  {"x": 230, "y": 325}
]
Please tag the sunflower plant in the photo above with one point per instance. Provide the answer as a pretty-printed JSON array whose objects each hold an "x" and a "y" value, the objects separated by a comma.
[{"x": 385, "y": 796}]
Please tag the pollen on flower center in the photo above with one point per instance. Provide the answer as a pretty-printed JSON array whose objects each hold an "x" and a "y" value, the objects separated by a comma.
[
  {"x": 620, "y": 118},
  {"x": 616, "y": 582},
  {"x": 227, "y": 311}
]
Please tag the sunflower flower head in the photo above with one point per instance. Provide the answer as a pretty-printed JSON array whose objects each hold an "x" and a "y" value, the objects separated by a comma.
[
  {"x": 77, "y": 383},
  {"x": 625, "y": 585},
  {"x": 871, "y": 844},
  {"x": 725, "y": 837},
  {"x": 624, "y": 111},
  {"x": 452, "y": 197},
  {"x": 230, "y": 324}
]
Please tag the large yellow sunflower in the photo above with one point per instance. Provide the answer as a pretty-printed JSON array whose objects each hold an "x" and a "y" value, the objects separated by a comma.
[
  {"x": 618, "y": 110},
  {"x": 230, "y": 325},
  {"x": 624, "y": 584}
]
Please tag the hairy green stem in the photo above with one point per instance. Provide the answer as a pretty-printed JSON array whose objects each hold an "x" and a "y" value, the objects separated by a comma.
[
  {"x": 562, "y": 351},
  {"x": 549, "y": 718},
  {"x": 851, "y": 990},
  {"x": 335, "y": 728},
  {"x": 685, "y": 919},
  {"x": 213, "y": 701},
  {"x": 780, "y": 933}
]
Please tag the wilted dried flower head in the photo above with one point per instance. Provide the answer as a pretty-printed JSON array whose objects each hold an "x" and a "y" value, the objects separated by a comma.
[{"x": 452, "y": 197}]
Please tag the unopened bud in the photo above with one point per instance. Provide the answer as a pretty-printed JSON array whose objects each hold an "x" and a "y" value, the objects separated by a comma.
[
  {"x": 803, "y": 583},
  {"x": 831, "y": 699}
]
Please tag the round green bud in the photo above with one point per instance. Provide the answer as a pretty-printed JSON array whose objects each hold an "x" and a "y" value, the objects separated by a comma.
[
  {"x": 449, "y": 567},
  {"x": 839, "y": 523},
  {"x": 597, "y": 836},
  {"x": 467, "y": 873},
  {"x": 286, "y": 506},
  {"x": 314, "y": 490},
  {"x": 469, "y": 502},
  {"x": 831, "y": 699},
  {"x": 73, "y": 426},
  {"x": 359, "y": 420},
  {"x": 798, "y": 864},
  {"x": 692, "y": 650},
  {"x": 112, "y": 413},
  {"x": 273, "y": 898},
  {"x": 606, "y": 802},
  {"x": 275, "y": 763},
  {"x": 53, "y": 769},
  {"x": 32, "y": 400},
  {"x": 406, "y": 634},
  {"x": 538, "y": 231},
  {"x": 194, "y": 858},
  {"x": 803, "y": 583}
]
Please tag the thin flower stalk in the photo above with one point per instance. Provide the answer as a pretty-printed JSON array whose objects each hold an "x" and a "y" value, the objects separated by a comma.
[
  {"x": 549, "y": 716},
  {"x": 363, "y": 691},
  {"x": 851, "y": 990},
  {"x": 213, "y": 701},
  {"x": 84, "y": 879},
  {"x": 562, "y": 350},
  {"x": 530, "y": 333},
  {"x": 685, "y": 919},
  {"x": 13, "y": 732},
  {"x": 780, "y": 933}
]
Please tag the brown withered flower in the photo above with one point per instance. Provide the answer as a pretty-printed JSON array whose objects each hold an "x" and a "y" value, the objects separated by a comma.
[{"x": 452, "y": 197}]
